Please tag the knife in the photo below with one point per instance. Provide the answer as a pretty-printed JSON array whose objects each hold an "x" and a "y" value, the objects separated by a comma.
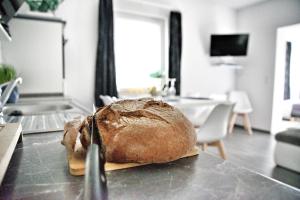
[{"x": 95, "y": 185}]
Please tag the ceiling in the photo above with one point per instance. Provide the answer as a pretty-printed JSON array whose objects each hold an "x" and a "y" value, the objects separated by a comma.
[
  {"x": 238, "y": 4},
  {"x": 235, "y": 4}
]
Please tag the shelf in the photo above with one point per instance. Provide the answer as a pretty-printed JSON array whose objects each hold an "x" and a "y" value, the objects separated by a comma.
[{"x": 232, "y": 66}]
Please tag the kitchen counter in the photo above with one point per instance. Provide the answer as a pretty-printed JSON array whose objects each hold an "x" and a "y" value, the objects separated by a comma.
[{"x": 38, "y": 170}]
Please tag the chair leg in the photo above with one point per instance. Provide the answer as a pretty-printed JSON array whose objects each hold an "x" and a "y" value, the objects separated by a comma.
[
  {"x": 247, "y": 124},
  {"x": 221, "y": 148},
  {"x": 204, "y": 147},
  {"x": 292, "y": 119},
  {"x": 232, "y": 122}
]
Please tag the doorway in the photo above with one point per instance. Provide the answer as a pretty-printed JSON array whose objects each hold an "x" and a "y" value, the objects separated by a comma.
[{"x": 286, "y": 97}]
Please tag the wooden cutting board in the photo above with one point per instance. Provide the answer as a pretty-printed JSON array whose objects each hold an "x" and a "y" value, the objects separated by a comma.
[{"x": 77, "y": 162}]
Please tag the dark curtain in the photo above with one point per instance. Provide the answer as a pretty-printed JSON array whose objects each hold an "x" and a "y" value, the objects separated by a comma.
[
  {"x": 287, "y": 89},
  {"x": 175, "y": 49},
  {"x": 105, "y": 80}
]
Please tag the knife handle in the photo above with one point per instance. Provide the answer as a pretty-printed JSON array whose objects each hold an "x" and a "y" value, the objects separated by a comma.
[{"x": 95, "y": 180}]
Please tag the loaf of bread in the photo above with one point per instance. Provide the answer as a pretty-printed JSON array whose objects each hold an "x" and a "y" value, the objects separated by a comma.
[
  {"x": 70, "y": 134},
  {"x": 142, "y": 131}
]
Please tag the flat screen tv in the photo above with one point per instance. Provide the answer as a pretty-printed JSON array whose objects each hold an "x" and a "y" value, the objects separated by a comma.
[{"x": 229, "y": 45}]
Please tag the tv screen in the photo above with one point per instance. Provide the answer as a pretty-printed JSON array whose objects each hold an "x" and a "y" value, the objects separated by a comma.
[{"x": 229, "y": 45}]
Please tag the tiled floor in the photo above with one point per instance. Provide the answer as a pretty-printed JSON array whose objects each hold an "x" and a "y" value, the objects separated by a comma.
[{"x": 256, "y": 152}]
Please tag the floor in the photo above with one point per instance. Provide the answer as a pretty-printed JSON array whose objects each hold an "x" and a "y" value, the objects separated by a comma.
[
  {"x": 255, "y": 152},
  {"x": 290, "y": 124}
]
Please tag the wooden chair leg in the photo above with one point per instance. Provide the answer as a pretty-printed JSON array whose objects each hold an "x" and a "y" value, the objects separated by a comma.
[
  {"x": 204, "y": 147},
  {"x": 232, "y": 122},
  {"x": 247, "y": 124},
  {"x": 292, "y": 119},
  {"x": 221, "y": 148}
]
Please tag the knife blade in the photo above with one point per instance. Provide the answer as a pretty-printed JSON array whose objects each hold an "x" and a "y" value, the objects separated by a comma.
[{"x": 95, "y": 185}]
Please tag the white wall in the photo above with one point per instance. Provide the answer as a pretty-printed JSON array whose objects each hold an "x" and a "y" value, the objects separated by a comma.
[
  {"x": 257, "y": 77},
  {"x": 80, "y": 51},
  {"x": 81, "y": 32},
  {"x": 36, "y": 48},
  {"x": 200, "y": 19}
]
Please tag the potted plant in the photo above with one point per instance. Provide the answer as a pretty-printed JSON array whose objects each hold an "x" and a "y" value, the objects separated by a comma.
[
  {"x": 157, "y": 74},
  {"x": 8, "y": 73},
  {"x": 156, "y": 90},
  {"x": 43, "y": 5}
]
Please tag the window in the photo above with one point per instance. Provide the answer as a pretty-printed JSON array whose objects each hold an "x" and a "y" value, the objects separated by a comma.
[{"x": 139, "y": 50}]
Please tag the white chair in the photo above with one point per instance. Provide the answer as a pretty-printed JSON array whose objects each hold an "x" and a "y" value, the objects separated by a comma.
[
  {"x": 197, "y": 115},
  {"x": 218, "y": 97},
  {"x": 242, "y": 108},
  {"x": 215, "y": 128},
  {"x": 107, "y": 99}
]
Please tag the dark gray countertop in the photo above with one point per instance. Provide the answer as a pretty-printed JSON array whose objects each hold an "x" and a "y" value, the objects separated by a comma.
[{"x": 38, "y": 170}]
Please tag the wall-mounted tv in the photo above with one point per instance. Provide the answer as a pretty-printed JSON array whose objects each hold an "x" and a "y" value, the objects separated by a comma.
[{"x": 229, "y": 45}]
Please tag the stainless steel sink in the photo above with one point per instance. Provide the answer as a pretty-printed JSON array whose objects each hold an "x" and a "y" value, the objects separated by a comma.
[
  {"x": 37, "y": 116},
  {"x": 21, "y": 110}
]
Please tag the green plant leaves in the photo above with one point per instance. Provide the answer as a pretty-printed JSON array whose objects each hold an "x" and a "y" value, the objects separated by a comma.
[
  {"x": 43, "y": 5},
  {"x": 7, "y": 73},
  {"x": 157, "y": 74}
]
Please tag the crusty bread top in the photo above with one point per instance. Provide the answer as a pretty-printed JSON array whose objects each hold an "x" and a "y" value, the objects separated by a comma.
[{"x": 144, "y": 131}]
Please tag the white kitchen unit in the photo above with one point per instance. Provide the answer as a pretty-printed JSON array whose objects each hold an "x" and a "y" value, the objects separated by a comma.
[{"x": 36, "y": 52}]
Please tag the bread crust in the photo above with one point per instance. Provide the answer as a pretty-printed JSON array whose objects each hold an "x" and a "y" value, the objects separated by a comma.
[{"x": 142, "y": 131}]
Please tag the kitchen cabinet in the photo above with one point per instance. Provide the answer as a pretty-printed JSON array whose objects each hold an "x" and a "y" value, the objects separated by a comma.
[{"x": 36, "y": 52}]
